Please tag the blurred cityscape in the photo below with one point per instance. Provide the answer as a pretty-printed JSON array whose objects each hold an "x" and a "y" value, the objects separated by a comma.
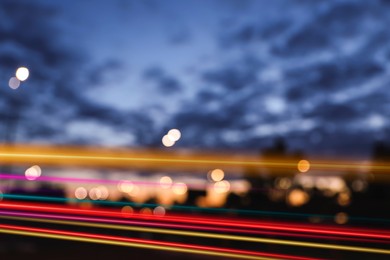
[{"x": 289, "y": 99}]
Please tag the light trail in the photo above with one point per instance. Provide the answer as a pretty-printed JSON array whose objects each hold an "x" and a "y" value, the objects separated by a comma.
[
  {"x": 185, "y": 208},
  {"x": 140, "y": 243},
  {"x": 209, "y": 235},
  {"x": 224, "y": 222},
  {"x": 102, "y": 157},
  {"x": 188, "y": 227},
  {"x": 5, "y": 176}
]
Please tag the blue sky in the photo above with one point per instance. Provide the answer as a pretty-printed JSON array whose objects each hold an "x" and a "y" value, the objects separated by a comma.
[{"x": 229, "y": 74}]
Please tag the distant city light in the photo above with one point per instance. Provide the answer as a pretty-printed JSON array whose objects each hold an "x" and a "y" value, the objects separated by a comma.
[
  {"x": 166, "y": 182},
  {"x": 283, "y": 183},
  {"x": 127, "y": 211},
  {"x": 221, "y": 187},
  {"x": 14, "y": 83},
  {"x": 33, "y": 172},
  {"x": 146, "y": 211},
  {"x": 359, "y": 185},
  {"x": 126, "y": 186},
  {"x": 297, "y": 198},
  {"x": 344, "y": 198},
  {"x": 80, "y": 193},
  {"x": 22, "y": 73},
  {"x": 95, "y": 194},
  {"x": 179, "y": 188},
  {"x": 341, "y": 218},
  {"x": 303, "y": 165},
  {"x": 174, "y": 134},
  {"x": 217, "y": 175},
  {"x": 159, "y": 211},
  {"x": 103, "y": 192},
  {"x": 167, "y": 141}
]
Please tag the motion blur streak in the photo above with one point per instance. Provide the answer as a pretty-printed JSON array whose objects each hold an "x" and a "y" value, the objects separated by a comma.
[
  {"x": 152, "y": 159},
  {"x": 196, "y": 234},
  {"x": 140, "y": 243},
  {"x": 217, "y": 236},
  {"x": 90, "y": 181},
  {"x": 184, "y": 208},
  {"x": 157, "y": 224},
  {"x": 203, "y": 221}
]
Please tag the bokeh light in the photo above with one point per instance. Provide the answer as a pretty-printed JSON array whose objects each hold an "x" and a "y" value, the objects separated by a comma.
[
  {"x": 221, "y": 186},
  {"x": 104, "y": 193},
  {"x": 22, "y": 73},
  {"x": 95, "y": 194},
  {"x": 303, "y": 165},
  {"x": 179, "y": 188},
  {"x": 166, "y": 182},
  {"x": 14, "y": 83},
  {"x": 341, "y": 218},
  {"x": 146, "y": 211},
  {"x": 127, "y": 211},
  {"x": 159, "y": 211},
  {"x": 33, "y": 172},
  {"x": 126, "y": 186},
  {"x": 81, "y": 193},
  {"x": 297, "y": 198},
  {"x": 174, "y": 134},
  {"x": 283, "y": 183},
  {"x": 217, "y": 175},
  {"x": 167, "y": 142}
]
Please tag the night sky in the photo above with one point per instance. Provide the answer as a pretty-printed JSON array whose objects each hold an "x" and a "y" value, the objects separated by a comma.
[{"x": 228, "y": 74}]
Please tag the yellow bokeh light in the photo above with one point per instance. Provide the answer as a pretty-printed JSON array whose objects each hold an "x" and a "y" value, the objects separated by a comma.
[
  {"x": 179, "y": 188},
  {"x": 166, "y": 182},
  {"x": 167, "y": 142},
  {"x": 217, "y": 175},
  {"x": 297, "y": 198},
  {"x": 126, "y": 186},
  {"x": 341, "y": 218},
  {"x": 221, "y": 186},
  {"x": 303, "y": 165},
  {"x": 22, "y": 73}
]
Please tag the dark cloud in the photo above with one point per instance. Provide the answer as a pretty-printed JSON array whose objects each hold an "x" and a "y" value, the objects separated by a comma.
[
  {"x": 165, "y": 83},
  {"x": 54, "y": 94},
  {"x": 108, "y": 71}
]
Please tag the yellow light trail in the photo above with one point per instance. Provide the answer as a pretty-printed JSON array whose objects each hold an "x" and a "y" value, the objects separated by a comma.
[
  {"x": 130, "y": 244},
  {"x": 152, "y": 159},
  {"x": 207, "y": 235}
]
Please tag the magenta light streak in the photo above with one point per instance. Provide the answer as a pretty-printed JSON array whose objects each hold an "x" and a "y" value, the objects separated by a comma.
[{"x": 89, "y": 181}]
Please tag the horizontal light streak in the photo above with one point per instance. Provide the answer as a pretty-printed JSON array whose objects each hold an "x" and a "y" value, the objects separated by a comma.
[
  {"x": 152, "y": 159},
  {"x": 132, "y": 242},
  {"x": 5, "y": 176},
  {"x": 189, "y": 227},
  {"x": 185, "y": 208},
  {"x": 209, "y": 235},
  {"x": 225, "y": 222}
]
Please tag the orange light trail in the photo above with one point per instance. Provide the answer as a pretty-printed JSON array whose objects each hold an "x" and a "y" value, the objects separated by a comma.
[{"x": 143, "y": 159}]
